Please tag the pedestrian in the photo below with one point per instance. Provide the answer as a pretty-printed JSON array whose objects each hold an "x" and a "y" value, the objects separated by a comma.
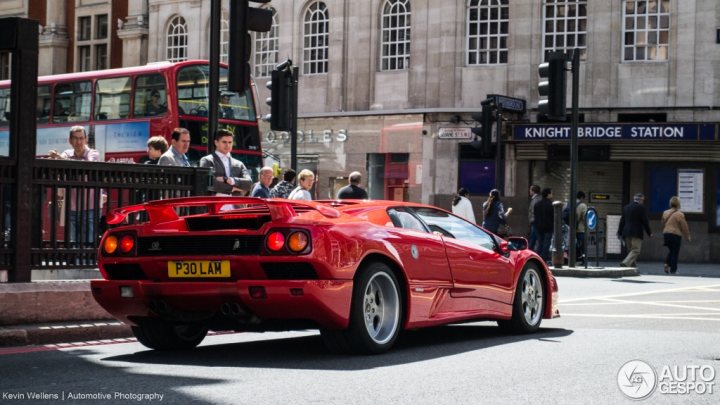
[
  {"x": 580, "y": 211},
  {"x": 353, "y": 191},
  {"x": 461, "y": 205},
  {"x": 262, "y": 187},
  {"x": 285, "y": 187},
  {"x": 535, "y": 196},
  {"x": 179, "y": 145},
  {"x": 544, "y": 217},
  {"x": 230, "y": 176},
  {"x": 674, "y": 228},
  {"x": 633, "y": 222},
  {"x": 154, "y": 106},
  {"x": 494, "y": 214},
  {"x": 156, "y": 146},
  {"x": 82, "y": 202},
  {"x": 306, "y": 179}
]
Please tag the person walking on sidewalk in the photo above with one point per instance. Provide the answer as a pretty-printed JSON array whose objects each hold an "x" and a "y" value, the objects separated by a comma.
[
  {"x": 544, "y": 224},
  {"x": 580, "y": 212},
  {"x": 461, "y": 205},
  {"x": 494, "y": 213},
  {"x": 674, "y": 228},
  {"x": 633, "y": 222},
  {"x": 535, "y": 197}
]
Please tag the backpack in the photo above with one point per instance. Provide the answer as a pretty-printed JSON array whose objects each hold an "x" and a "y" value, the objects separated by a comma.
[{"x": 566, "y": 214}]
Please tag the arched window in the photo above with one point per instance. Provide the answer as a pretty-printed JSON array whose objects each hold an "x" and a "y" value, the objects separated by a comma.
[
  {"x": 315, "y": 39},
  {"x": 266, "y": 49},
  {"x": 224, "y": 39},
  {"x": 395, "y": 34},
  {"x": 177, "y": 40},
  {"x": 487, "y": 32}
]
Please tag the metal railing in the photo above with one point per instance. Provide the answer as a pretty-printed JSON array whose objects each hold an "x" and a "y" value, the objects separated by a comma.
[{"x": 70, "y": 200}]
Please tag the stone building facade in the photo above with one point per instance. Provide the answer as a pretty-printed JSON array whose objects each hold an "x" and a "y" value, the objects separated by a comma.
[{"x": 389, "y": 88}]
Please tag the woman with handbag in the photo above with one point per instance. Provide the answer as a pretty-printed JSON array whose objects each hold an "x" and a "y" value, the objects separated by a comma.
[
  {"x": 494, "y": 214},
  {"x": 674, "y": 228}
]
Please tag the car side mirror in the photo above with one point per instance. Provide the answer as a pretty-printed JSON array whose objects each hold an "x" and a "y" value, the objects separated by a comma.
[{"x": 517, "y": 243}]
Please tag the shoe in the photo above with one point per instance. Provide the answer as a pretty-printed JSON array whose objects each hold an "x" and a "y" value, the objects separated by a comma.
[
  {"x": 622, "y": 264},
  {"x": 666, "y": 268}
]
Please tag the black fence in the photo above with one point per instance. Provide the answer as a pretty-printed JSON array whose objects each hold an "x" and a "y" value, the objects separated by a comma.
[{"x": 70, "y": 200}]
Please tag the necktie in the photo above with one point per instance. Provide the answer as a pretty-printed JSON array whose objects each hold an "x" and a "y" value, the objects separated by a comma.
[{"x": 186, "y": 163}]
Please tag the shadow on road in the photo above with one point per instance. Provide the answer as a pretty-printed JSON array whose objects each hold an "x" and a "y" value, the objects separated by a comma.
[{"x": 309, "y": 353}]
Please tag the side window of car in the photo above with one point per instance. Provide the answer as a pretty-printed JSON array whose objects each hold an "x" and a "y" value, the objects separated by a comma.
[
  {"x": 452, "y": 227},
  {"x": 404, "y": 219}
]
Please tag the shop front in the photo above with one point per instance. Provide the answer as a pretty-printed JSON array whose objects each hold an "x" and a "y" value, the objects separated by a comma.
[
  {"x": 617, "y": 160},
  {"x": 385, "y": 149}
]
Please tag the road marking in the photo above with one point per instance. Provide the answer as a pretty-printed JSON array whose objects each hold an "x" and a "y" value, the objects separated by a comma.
[
  {"x": 618, "y": 302},
  {"x": 661, "y": 305},
  {"x": 641, "y": 317},
  {"x": 699, "y": 288}
]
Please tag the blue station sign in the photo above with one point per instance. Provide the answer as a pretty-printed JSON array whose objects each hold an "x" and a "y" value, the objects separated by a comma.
[
  {"x": 636, "y": 132},
  {"x": 591, "y": 219}
]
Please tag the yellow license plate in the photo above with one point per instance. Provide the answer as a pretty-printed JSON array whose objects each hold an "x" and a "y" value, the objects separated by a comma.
[{"x": 199, "y": 268}]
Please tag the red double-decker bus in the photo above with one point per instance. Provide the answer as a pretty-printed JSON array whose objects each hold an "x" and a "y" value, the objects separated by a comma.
[{"x": 122, "y": 108}]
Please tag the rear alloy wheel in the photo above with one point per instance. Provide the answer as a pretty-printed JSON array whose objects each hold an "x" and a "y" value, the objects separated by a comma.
[
  {"x": 529, "y": 303},
  {"x": 375, "y": 314},
  {"x": 161, "y": 335}
]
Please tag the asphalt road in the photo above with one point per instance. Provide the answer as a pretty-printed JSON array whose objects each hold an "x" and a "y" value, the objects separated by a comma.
[{"x": 670, "y": 323}]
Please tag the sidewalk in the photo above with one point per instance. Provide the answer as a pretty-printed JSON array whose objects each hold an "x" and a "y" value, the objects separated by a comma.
[
  {"x": 61, "y": 311},
  {"x": 613, "y": 270}
]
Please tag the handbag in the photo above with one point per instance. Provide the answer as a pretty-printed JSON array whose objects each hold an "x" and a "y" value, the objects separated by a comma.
[{"x": 504, "y": 230}]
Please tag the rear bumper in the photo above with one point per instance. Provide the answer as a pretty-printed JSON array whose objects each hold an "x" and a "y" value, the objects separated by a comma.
[{"x": 325, "y": 302}]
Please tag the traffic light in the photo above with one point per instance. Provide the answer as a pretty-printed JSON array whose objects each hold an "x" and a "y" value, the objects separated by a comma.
[
  {"x": 244, "y": 18},
  {"x": 484, "y": 131},
  {"x": 552, "y": 85},
  {"x": 282, "y": 97}
]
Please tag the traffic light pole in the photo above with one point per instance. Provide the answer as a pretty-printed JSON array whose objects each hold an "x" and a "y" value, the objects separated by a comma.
[
  {"x": 293, "y": 113},
  {"x": 499, "y": 166},
  {"x": 214, "y": 85},
  {"x": 574, "y": 157}
]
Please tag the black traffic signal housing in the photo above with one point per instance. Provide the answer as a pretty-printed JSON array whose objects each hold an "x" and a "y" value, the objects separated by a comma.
[
  {"x": 552, "y": 85},
  {"x": 484, "y": 131},
  {"x": 244, "y": 18},
  {"x": 282, "y": 96}
]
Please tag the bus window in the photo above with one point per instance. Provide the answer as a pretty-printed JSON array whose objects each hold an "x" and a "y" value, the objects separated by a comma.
[
  {"x": 150, "y": 96},
  {"x": 241, "y": 105},
  {"x": 72, "y": 102},
  {"x": 4, "y": 107},
  {"x": 112, "y": 98},
  {"x": 192, "y": 89},
  {"x": 43, "y": 104}
]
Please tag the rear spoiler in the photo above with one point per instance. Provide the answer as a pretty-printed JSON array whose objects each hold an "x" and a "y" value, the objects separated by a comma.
[{"x": 164, "y": 210}]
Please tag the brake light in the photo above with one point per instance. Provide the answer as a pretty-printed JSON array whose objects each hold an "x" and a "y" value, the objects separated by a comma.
[
  {"x": 127, "y": 243},
  {"x": 297, "y": 242},
  {"x": 111, "y": 244},
  {"x": 275, "y": 241}
]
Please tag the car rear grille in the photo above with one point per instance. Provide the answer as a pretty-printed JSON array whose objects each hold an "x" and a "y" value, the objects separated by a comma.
[
  {"x": 289, "y": 271},
  {"x": 219, "y": 223},
  {"x": 124, "y": 272},
  {"x": 199, "y": 245}
]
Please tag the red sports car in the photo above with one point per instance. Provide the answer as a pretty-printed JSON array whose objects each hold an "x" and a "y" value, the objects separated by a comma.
[{"x": 360, "y": 271}]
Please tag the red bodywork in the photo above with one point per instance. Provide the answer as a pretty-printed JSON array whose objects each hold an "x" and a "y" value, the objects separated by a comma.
[{"x": 444, "y": 280}]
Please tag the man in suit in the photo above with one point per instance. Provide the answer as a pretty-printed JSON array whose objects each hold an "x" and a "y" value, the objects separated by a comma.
[
  {"x": 230, "y": 176},
  {"x": 179, "y": 145},
  {"x": 633, "y": 222}
]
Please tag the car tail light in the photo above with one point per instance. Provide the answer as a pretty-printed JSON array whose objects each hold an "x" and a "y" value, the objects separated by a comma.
[
  {"x": 127, "y": 243},
  {"x": 111, "y": 244},
  {"x": 297, "y": 242},
  {"x": 275, "y": 241}
]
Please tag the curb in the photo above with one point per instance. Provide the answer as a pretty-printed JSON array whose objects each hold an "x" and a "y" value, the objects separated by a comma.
[
  {"x": 599, "y": 272},
  {"x": 50, "y": 333}
]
